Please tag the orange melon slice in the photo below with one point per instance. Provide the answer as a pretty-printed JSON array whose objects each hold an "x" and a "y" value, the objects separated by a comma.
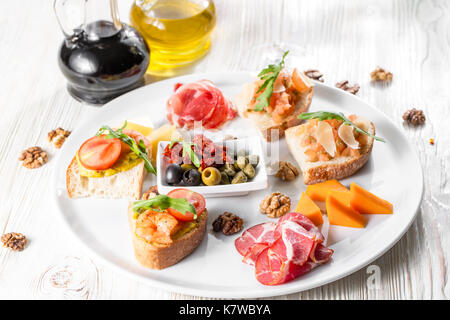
[
  {"x": 308, "y": 208},
  {"x": 319, "y": 191},
  {"x": 365, "y": 202},
  {"x": 340, "y": 214}
]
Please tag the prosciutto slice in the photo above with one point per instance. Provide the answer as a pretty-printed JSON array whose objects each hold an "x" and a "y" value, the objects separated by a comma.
[
  {"x": 199, "y": 102},
  {"x": 284, "y": 251}
]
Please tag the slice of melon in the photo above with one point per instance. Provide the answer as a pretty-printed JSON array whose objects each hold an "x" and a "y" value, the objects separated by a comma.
[
  {"x": 308, "y": 208},
  {"x": 365, "y": 202},
  {"x": 319, "y": 191},
  {"x": 340, "y": 214}
]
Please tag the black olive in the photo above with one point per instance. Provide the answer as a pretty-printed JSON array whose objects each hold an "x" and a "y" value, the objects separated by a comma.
[
  {"x": 174, "y": 174},
  {"x": 192, "y": 177}
]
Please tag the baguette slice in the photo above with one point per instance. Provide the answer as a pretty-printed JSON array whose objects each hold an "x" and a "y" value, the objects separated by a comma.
[
  {"x": 126, "y": 184},
  {"x": 160, "y": 256},
  {"x": 319, "y": 171},
  {"x": 263, "y": 120}
]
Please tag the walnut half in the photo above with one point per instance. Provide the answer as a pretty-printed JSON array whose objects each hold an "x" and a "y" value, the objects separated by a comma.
[
  {"x": 286, "y": 171},
  {"x": 57, "y": 137},
  {"x": 33, "y": 157},
  {"x": 13, "y": 240},
  {"x": 228, "y": 223},
  {"x": 275, "y": 205}
]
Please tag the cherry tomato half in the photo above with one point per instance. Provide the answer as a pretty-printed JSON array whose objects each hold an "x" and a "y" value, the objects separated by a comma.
[
  {"x": 193, "y": 198},
  {"x": 99, "y": 153}
]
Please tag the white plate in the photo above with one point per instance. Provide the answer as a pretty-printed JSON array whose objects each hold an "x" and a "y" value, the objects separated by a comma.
[
  {"x": 215, "y": 268},
  {"x": 251, "y": 145}
]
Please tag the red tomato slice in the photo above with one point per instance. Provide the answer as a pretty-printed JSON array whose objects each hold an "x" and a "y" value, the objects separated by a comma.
[
  {"x": 99, "y": 153},
  {"x": 193, "y": 198}
]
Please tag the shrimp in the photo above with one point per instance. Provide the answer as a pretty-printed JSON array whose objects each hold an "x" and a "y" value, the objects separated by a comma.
[
  {"x": 137, "y": 136},
  {"x": 156, "y": 226}
]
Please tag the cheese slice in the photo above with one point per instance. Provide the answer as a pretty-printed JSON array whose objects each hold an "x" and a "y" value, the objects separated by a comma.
[
  {"x": 365, "y": 202},
  {"x": 308, "y": 208},
  {"x": 319, "y": 191},
  {"x": 163, "y": 133},
  {"x": 345, "y": 132},
  {"x": 325, "y": 137},
  {"x": 342, "y": 215}
]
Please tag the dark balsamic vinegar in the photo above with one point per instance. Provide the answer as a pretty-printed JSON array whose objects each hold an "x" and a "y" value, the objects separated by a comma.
[{"x": 101, "y": 62}]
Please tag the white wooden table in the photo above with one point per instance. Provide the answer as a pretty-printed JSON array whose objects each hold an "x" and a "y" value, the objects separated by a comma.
[{"x": 343, "y": 39}]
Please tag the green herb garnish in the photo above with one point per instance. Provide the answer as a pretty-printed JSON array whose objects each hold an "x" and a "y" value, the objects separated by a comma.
[
  {"x": 269, "y": 75},
  {"x": 162, "y": 202},
  {"x": 138, "y": 148},
  {"x": 325, "y": 115},
  {"x": 187, "y": 149}
]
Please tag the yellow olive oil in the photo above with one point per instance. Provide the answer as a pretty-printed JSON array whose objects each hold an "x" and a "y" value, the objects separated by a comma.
[{"x": 177, "y": 31}]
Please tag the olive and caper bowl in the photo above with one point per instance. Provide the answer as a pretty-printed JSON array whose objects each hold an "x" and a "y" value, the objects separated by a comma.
[{"x": 214, "y": 169}]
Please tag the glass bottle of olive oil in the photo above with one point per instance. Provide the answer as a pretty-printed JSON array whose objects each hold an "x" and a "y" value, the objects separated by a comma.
[{"x": 177, "y": 31}]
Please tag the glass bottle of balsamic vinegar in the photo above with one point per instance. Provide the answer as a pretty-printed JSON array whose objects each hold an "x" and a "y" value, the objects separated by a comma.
[{"x": 101, "y": 57}]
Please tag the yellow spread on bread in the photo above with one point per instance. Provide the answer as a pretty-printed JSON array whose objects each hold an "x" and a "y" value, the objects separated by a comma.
[{"x": 125, "y": 162}]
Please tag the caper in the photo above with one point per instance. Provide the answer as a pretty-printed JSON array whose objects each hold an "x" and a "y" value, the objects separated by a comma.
[
  {"x": 211, "y": 176},
  {"x": 253, "y": 159},
  {"x": 224, "y": 178},
  {"x": 240, "y": 177},
  {"x": 249, "y": 171},
  {"x": 187, "y": 166},
  {"x": 228, "y": 168},
  {"x": 241, "y": 162}
]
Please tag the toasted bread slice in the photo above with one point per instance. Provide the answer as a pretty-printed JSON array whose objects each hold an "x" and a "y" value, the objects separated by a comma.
[
  {"x": 159, "y": 256},
  {"x": 337, "y": 168},
  {"x": 263, "y": 120},
  {"x": 126, "y": 184}
]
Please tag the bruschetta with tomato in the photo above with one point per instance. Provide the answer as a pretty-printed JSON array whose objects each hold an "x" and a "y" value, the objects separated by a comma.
[
  {"x": 167, "y": 228},
  {"x": 330, "y": 145},
  {"x": 112, "y": 164},
  {"x": 273, "y": 102}
]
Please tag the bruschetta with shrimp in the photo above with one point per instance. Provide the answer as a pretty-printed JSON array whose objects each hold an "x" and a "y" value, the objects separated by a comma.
[{"x": 167, "y": 228}]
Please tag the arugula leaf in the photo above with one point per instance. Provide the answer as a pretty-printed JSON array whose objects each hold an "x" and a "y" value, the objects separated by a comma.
[
  {"x": 325, "y": 115},
  {"x": 187, "y": 150},
  {"x": 268, "y": 74},
  {"x": 138, "y": 148},
  {"x": 162, "y": 202}
]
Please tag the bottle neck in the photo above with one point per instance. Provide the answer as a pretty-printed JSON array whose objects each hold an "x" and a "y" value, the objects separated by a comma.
[{"x": 101, "y": 19}]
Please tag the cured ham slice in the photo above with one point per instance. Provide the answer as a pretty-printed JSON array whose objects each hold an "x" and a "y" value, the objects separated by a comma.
[
  {"x": 199, "y": 102},
  {"x": 261, "y": 233},
  {"x": 284, "y": 251}
]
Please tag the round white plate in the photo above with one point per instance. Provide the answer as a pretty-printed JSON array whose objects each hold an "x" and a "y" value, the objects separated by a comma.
[{"x": 215, "y": 268}]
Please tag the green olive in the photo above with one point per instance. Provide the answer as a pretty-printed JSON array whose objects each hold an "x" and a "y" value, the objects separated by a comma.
[
  {"x": 224, "y": 178},
  {"x": 228, "y": 168},
  {"x": 211, "y": 176},
  {"x": 241, "y": 162},
  {"x": 187, "y": 166},
  {"x": 249, "y": 171},
  {"x": 253, "y": 159},
  {"x": 240, "y": 177}
]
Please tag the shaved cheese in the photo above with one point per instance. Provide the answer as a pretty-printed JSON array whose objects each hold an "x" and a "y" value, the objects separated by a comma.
[
  {"x": 325, "y": 137},
  {"x": 345, "y": 132},
  {"x": 362, "y": 123}
]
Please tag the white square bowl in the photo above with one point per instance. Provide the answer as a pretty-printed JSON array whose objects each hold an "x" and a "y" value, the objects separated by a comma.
[{"x": 259, "y": 182}]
